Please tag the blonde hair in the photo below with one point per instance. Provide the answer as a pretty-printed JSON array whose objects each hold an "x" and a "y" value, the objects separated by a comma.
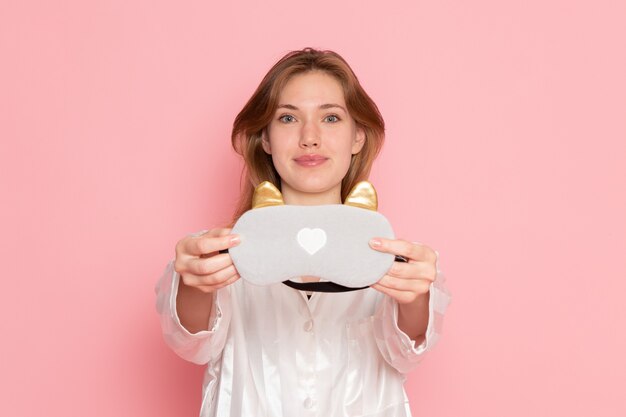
[{"x": 252, "y": 121}]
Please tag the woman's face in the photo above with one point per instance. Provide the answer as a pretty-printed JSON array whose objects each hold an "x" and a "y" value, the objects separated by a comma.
[{"x": 312, "y": 121}]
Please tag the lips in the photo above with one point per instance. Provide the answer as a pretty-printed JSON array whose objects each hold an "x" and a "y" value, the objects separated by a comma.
[{"x": 310, "y": 158}]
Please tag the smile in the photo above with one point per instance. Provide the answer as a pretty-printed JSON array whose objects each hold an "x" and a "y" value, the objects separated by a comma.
[{"x": 310, "y": 162}]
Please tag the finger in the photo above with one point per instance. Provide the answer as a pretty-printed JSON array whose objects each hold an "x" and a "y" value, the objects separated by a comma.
[
  {"x": 211, "y": 232},
  {"x": 208, "y": 266},
  {"x": 199, "y": 281},
  {"x": 211, "y": 288},
  {"x": 413, "y": 285},
  {"x": 215, "y": 278},
  {"x": 208, "y": 244},
  {"x": 216, "y": 232},
  {"x": 420, "y": 270},
  {"x": 410, "y": 250},
  {"x": 402, "y": 297},
  {"x": 227, "y": 282}
]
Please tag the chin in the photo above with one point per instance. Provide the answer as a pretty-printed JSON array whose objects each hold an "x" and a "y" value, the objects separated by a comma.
[{"x": 313, "y": 185}]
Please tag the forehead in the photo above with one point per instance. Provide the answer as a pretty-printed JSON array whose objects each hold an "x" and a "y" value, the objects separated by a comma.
[{"x": 314, "y": 87}]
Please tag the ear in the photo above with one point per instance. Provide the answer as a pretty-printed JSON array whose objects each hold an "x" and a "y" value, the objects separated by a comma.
[
  {"x": 359, "y": 140},
  {"x": 265, "y": 142}
]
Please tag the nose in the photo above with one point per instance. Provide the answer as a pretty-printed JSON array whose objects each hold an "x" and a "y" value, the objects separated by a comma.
[{"x": 310, "y": 136}]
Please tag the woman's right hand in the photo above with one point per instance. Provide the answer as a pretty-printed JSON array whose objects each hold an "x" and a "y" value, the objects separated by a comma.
[{"x": 200, "y": 264}]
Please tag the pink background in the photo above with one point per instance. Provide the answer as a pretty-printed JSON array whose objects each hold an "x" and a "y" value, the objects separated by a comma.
[{"x": 506, "y": 152}]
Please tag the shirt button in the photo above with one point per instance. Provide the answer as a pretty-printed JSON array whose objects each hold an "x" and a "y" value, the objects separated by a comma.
[
  {"x": 308, "y": 403},
  {"x": 308, "y": 325}
]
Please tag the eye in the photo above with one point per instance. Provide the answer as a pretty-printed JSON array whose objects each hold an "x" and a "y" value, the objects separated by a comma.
[
  {"x": 335, "y": 117},
  {"x": 282, "y": 118}
]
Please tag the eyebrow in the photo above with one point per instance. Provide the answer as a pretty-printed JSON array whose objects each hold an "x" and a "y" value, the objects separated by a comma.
[{"x": 323, "y": 106}]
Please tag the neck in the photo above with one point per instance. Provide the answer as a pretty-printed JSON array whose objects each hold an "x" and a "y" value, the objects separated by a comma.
[{"x": 300, "y": 198}]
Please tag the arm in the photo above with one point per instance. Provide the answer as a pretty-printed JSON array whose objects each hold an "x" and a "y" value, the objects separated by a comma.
[
  {"x": 395, "y": 345},
  {"x": 413, "y": 317},
  {"x": 207, "y": 337},
  {"x": 193, "y": 307}
]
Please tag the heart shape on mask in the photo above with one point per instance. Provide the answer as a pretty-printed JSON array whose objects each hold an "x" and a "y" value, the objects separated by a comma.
[{"x": 311, "y": 240}]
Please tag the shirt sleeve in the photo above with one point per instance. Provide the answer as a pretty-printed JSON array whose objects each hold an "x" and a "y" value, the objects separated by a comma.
[
  {"x": 396, "y": 346},
  {"x": 201, "y": 347}
]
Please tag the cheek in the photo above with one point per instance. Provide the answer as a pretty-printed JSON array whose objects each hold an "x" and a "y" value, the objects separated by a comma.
[
  {"x": 279, "y": 150},
  {"x": 345, "y": 148},
  {"x": 343, "y": 156},
  {"x": 280, "y": 156},
  {"x": 275, "y": 140}
]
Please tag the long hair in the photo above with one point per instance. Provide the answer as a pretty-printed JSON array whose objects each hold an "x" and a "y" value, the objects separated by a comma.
[{"x": 253, "y": 120}]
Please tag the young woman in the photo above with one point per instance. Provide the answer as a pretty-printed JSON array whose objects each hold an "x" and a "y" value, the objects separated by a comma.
[{"x": 311, "y": 130}]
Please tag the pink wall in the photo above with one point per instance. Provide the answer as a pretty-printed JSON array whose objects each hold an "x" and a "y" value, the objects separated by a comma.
[{"x": 506, "y": 152}]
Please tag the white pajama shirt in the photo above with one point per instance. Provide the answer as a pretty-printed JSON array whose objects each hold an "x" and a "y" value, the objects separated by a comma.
[{"x": 269, "y": 351}]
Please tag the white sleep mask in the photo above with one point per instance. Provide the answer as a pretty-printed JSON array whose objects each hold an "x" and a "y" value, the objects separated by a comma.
[{"x": 280, "y": 242}]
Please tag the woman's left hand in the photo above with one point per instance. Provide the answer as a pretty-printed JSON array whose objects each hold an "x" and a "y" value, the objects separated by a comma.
[{"x": 406, "y": 281}]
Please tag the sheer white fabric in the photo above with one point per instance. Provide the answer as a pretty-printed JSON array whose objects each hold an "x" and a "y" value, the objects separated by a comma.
[{"x": 270, "y": 351}]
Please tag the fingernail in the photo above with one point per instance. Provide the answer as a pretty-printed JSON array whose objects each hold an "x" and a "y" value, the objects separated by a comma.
[
  {"x": 234, "y": 239},
  {"x": 375, "y": 242}
]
